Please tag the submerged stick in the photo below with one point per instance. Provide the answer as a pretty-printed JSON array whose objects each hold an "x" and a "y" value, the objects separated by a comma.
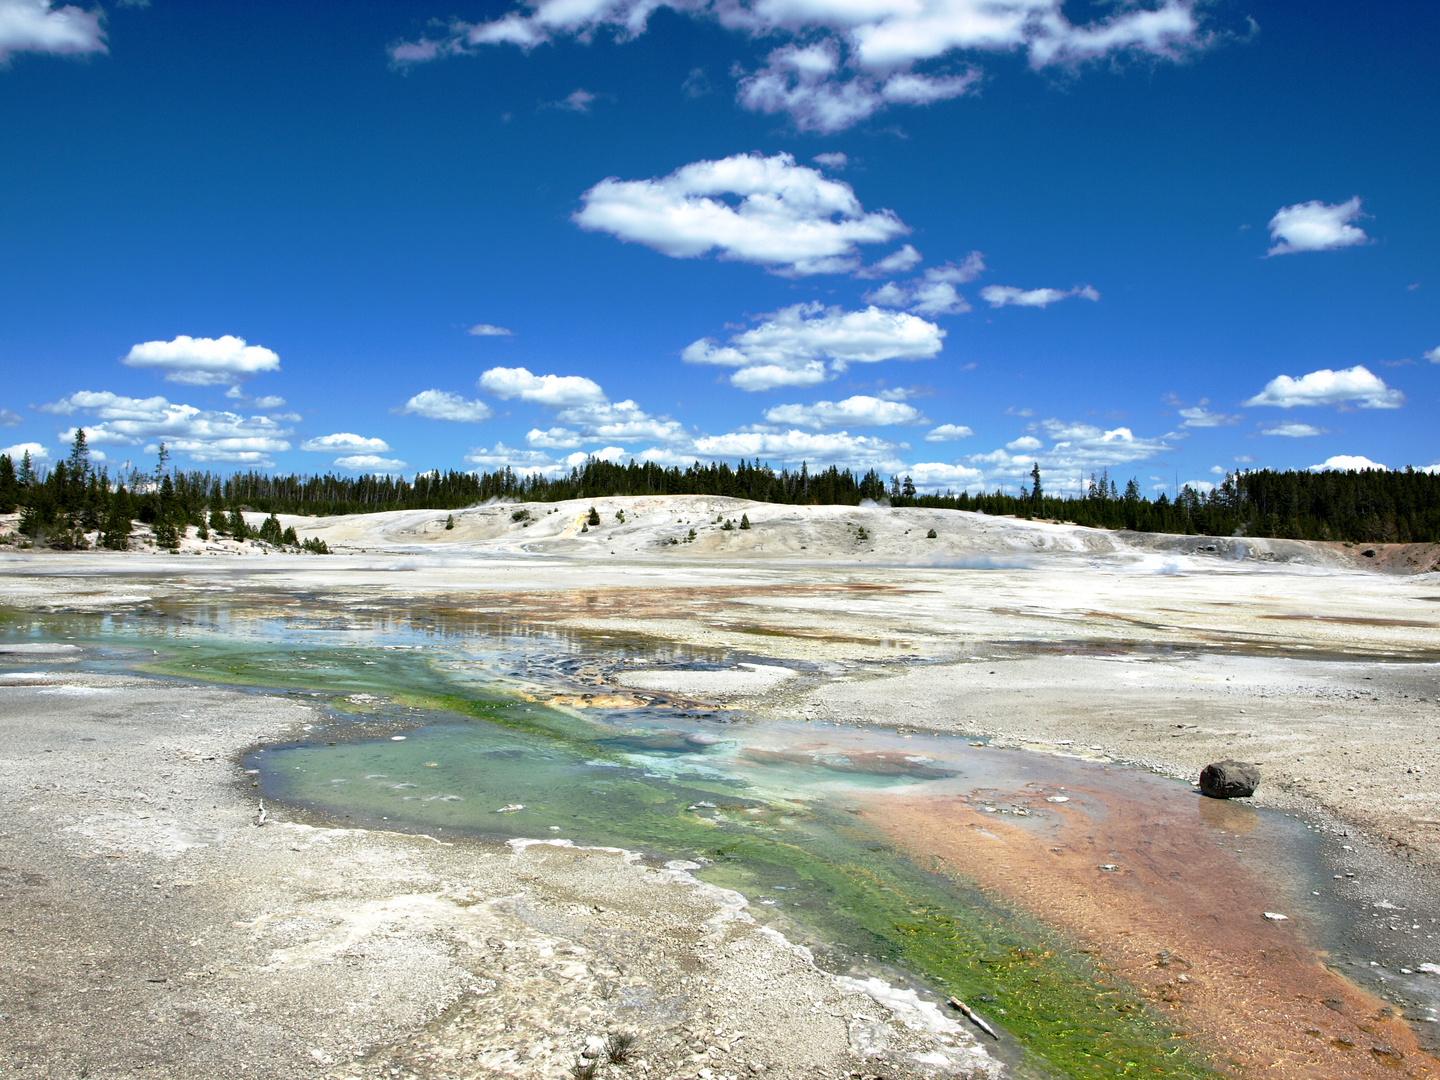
[{"x": 973, "y": 1018}]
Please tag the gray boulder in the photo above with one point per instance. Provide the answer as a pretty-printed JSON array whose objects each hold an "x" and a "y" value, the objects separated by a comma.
[{"x": 1229, "y": 780}]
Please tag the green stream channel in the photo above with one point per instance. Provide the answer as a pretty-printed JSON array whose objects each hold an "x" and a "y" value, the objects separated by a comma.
[{"x": 762, "y": 807}]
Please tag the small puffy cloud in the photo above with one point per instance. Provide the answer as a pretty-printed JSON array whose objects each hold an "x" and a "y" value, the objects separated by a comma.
[
  {"x": 1352, "y": 386},
  {"x": 858, "y": 411},
  {"x": 1315, "y": 226},
  {"x": 1433, "y": 355},
  {"x": 342, "y": 441},
  {"x": 555, "y": 438},
  {"x": 793, "y": 346},
  {"x": 1009, "y": 296},
  {"x": 749, "y": 208},
  {"x": 8, "y": 418},
  {"x": 203, "y": 361},
  {"x": 929, "y": 475},
  {"x": 948, "y": 433},
  {"x": 485, "y": 329},
  {"x": 1347, "y": 463},
  {"x": 369, "y": 463},
  {"x": 1024, "y": 444},
  {"x": 552, "y": 391},
  {"x": 937, "y": 298},
  {"x": 1290, "y": 430},
  {"x": 1200, "y": 417},
  {"x": 40, "y": 26},
  {"x": 37, "y": 452},
  {"x": 933, "y": 293},
  {"x": 831, "y": 160},
  {"x": 839, "y": 447},
  {"x": 605, "y": 453},
  {"x": 204, "y": 435},
  {"x": 442, "y": 405}
]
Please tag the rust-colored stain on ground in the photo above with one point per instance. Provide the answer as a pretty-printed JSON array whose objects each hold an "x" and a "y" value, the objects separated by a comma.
[{"x": 1156, "y": 899}]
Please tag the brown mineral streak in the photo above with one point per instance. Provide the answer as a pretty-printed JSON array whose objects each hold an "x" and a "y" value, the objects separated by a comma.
[{"x": 1179, "y": 920}]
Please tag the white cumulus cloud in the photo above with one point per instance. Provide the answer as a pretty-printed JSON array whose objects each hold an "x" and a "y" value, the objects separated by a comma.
[
  {"x": 552, "y": 391},
  {"x": 1433, "y": 355},
  {"x": 844, "y": 60},
  {"x": 858, "y": 411},
  {"x": 1315, "y": 226},
  {"x": 342, "y": 441},
  {"x": 485, "y": 329},
  {"x": 1357, "y": 386},
  {"x": 948, "y": 433},
  {"x": 1347, "y": 463},
  {"x": 442, "y": 405},
  {"x": 203, "y": 361},
  {"x": 931, "y": 475},
  {"x": 37, "y": 453},
  {"x": 40, "y": 26},
  {"x": 764, "y": 210},
  {"x": 204, "y": 435},
  {"x": 555, "y": 438},
  {"x": 794, "y": 345},
  {"x": 1009, "y": 296}
]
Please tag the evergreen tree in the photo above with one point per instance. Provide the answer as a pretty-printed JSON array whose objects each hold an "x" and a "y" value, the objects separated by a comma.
[
  {"x": 1036, "y": 494},
  {"x": 9, "y": 486},
  {"x": 744, "y": 521},
  {"x": 116, "y": 532},
  {"x": 79, "y": 459},
  {"x": 27, "y": 471},
  {"x": 594, "y": 518},
  {"x": 237, "y": 527}
]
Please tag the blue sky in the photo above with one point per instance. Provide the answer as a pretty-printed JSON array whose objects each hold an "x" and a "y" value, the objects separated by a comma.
[{"x": 935, "y": 237}]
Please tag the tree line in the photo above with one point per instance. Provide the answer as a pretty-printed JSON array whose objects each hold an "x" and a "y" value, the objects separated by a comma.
[{"x": 60, "y": 505}]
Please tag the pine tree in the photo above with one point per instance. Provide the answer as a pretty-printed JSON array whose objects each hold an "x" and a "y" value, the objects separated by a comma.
[
  {"x": 9, "y": 486},
  {"x": 79, "y": 459},
  {"x": 594, "y": 518},
  {"x": 238, "y": 529},
  {"x": 1035, "y": 492},
  {"x": 744, "y": 521},
  {"x": 116, "y": 533}
]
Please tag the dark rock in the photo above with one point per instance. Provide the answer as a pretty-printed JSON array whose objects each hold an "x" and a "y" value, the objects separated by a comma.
[{"x": 1229, "y": 780}]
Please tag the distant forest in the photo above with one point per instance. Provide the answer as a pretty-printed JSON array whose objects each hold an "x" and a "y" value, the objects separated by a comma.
[{"x": 59, "y": 505}]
